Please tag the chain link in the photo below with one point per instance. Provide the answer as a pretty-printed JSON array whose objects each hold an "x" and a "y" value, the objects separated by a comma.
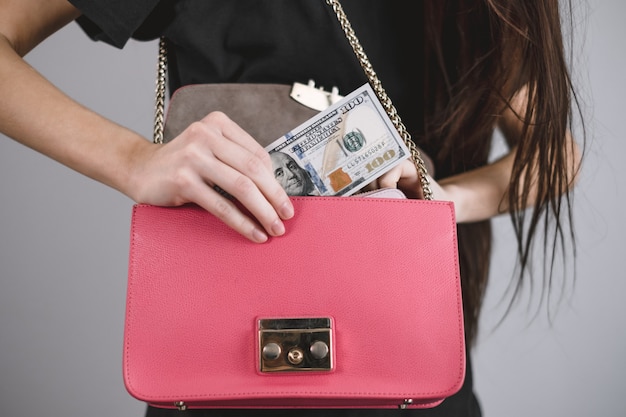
[{"x": 159, "y": 121}]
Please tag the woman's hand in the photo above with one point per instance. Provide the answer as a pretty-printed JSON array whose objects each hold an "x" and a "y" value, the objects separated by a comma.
[
  {"x": 403, "y": 176},
  {"x": 477, "y": 195},
  {"x": 482, "y": 193},
  {"x": 214, "y": 152}
]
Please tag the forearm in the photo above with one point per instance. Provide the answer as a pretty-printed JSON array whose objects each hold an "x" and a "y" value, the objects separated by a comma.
[
  {"x": 483, "y": 193},
  {"x": 478, "y": 194},
  {"x": 41, "y": 117}
]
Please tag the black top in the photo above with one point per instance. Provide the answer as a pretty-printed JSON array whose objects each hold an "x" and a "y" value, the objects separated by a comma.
[
  {"x": 282, "y": 41},
  {"x": 273, "y": 41}
]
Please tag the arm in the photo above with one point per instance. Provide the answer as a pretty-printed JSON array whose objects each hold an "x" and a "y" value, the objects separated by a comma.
[
  {"x": 212, "y": 151},
  {"x": 481, "y": 193}
]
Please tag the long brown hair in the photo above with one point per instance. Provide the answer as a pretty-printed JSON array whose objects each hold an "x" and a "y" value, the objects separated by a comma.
[{"x": 478, "y": 55}]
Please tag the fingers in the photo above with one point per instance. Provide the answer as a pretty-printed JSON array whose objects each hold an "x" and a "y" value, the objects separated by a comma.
[
  {"x": 403, "y": 176},
  {"x": 225, "y": 210},
  {"x": 235, "y": 133},
  {"x": 255, "y": 188},
  {"x": 217, "y": 152},
  {"x": 391, "y": 178}
]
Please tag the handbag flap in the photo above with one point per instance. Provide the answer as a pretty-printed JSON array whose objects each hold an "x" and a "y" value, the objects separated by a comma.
[
  {"x": 385, "y": 271},
  {"x": 265, "y": 111}
]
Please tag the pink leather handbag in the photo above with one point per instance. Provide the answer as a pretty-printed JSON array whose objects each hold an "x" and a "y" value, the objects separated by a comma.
[{"x": 358, "y": 305}]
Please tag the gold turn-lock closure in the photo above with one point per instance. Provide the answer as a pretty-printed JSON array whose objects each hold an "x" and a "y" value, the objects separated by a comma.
[{"x": 295, "y": 344}]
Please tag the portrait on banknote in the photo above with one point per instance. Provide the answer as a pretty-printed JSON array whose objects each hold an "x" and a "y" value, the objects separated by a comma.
[{"x": 292, "y": 177}]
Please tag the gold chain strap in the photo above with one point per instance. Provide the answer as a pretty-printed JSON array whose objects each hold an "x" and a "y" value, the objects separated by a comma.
[
  {"x": 159, "y": 111},
  {"x": 383, "y": 97},
  {"x": 369, "y": 72}
]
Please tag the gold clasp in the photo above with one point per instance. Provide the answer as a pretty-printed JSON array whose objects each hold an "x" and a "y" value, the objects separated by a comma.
[{"x": 295, "y": 344}]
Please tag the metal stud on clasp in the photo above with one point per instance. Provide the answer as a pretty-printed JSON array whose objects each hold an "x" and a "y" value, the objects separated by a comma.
[
  {"x": 271, "y": 351},
  {"x": 295, "y": 356},
  {"x": 319, "y": 349}
]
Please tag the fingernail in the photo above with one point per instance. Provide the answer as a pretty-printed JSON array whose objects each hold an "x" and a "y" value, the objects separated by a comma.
[
  {"x": 278, "y": 228},
  {"x": 286, "y": 210},
  {"x": 259, "y": 236}
]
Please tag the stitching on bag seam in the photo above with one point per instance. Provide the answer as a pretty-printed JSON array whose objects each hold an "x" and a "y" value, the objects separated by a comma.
[{"x": 131, "y": 265}]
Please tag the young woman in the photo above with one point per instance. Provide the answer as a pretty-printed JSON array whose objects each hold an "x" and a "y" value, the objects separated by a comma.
[{"x": 456, "y": 70}]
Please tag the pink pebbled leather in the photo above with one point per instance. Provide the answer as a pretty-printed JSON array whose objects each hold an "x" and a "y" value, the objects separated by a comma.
[{"x": 384, "y": 270}]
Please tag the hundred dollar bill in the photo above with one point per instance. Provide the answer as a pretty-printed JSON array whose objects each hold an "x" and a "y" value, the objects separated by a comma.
[{"x": 340, "y": 150}]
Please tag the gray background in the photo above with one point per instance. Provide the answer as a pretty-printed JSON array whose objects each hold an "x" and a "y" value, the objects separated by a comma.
[{"x": 64, "y": 244}]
